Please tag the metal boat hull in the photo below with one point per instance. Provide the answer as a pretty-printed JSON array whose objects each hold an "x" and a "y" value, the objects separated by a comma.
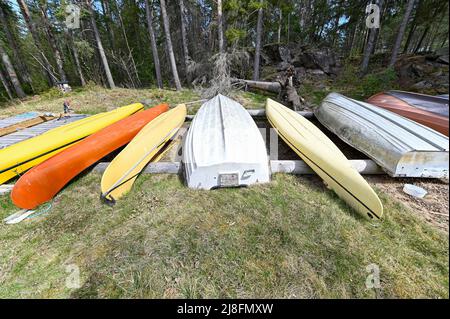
[{"x": 403, "y": 148}]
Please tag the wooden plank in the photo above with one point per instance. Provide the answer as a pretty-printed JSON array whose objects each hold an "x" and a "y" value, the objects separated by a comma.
[
  {"x": 28, "y": 123},
  {"x": 38, "y": 129},
  {"x": 151, "y": 168},
  {"x": 11, "y": 120},
  {"x": 366, "y": 167},
  {"x": 257, "y": 113}
]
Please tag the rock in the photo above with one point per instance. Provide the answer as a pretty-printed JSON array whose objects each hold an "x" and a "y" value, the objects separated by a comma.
[
  {"x": 422, "y": 85},
  {"x": 300, "y": 72},
  {"x": 277, "y": 53},
  {"x": 437, "y": 74},
  {"x": 414, "y": 191},
  {"x": 442, "y": 51},
  {"x": 323, "y": 59},
  {"x": 321, "y": 86},
  {"x": 316, "y": 72},
  {"x": 285, "y": 54},
  {"x": 443, "y": 59},
  {"x": 283, "y": 66},
  {"x": 147, "y": 102},
  {"x": 422, "y": 69},
  {"x": 422, "y": 73}
]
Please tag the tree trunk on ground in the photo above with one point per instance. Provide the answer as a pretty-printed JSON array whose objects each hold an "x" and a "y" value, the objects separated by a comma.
[
  {"x": 273, "y": 87},
  {"x": 76, "y": 57},
  {"x": 173, "y": 63},
  {"x": 101, "y": 51},
  {"x": 5, "y": 85},
  {"x": 220, "y": 26},
  {"x": 370, "y": 44},
  {"x": 11, "y": 72},
  {"x": 154, "y": 46},
  {"x": 258, "y": 43},
  {"x": 401, "y": 32},
  {"x": 184, "y": 39},
  {"x": 23, "y": 69},
  {"x": 56, "y": 52},
  {"x": 31, "y": 27}
]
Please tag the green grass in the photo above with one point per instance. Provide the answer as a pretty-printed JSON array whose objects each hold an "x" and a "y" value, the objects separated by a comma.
[
  {"x": 94, "y": 99},
  {"x": 290, "y": 238}
]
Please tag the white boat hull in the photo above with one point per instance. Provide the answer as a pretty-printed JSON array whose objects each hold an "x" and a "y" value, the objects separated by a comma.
[{"x": 224, "y": 147}]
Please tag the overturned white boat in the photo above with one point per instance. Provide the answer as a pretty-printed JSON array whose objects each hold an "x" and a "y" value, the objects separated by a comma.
[
  {"x": 403, "y": 148},
  {"x": 224, "y": 148}
]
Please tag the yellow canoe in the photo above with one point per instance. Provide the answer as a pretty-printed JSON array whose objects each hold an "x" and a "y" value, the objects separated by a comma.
[
  {"x": 323, "y": 156},
  {"x": 119, "y": 176},
  {"x": 17, "y": 158}
]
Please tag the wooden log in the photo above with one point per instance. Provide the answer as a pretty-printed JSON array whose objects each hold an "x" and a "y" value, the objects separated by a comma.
[
  {"x": 260, "y": 113},
  {"x": 366, "y": 167},
  {"x": 274, "y": 87}
]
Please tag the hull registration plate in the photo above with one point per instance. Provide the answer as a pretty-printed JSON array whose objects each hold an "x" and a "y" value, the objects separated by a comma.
[{"x": 229, "y": 180}]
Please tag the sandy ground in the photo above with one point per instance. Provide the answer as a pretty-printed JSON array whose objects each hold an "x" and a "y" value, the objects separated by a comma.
[{"x": 433, "y": 208}]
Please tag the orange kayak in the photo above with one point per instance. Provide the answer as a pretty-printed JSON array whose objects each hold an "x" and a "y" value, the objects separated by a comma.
[{"x": 45, "y": 180}]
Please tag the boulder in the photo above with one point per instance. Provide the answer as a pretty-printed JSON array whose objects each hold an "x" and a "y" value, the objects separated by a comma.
[
  {"x": 422, "y": 85},
  {"x": 443, "y": 59},
  {"x": 302, "y": 57}
]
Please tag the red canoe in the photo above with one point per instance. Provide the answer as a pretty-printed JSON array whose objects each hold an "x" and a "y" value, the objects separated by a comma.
[
  {"x": 431, "y": 111},
  {"x": 45, "y": 180}
]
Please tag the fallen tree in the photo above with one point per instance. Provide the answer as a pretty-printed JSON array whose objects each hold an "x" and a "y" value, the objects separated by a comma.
[{"x": 283, "y": 87}]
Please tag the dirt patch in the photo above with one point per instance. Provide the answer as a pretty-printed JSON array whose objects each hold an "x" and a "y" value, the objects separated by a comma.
[{"x": 433, "y": 208}]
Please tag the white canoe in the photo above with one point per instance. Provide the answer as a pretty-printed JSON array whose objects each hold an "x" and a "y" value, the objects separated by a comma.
[
  {"x": 403, "y": 148},
  {"x": 224, "y": 147}
]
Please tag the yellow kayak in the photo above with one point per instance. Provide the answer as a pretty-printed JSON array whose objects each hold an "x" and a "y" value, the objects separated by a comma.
[
  {"x": 17, "y": 158},
  {"x": 323, "y": 156},
  {"x": 121, "y": 173}
]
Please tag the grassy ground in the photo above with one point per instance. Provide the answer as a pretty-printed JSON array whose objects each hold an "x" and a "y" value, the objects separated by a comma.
[
  {"x": 92, "y": 100},
  {"x": 290, "y": 238}
]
